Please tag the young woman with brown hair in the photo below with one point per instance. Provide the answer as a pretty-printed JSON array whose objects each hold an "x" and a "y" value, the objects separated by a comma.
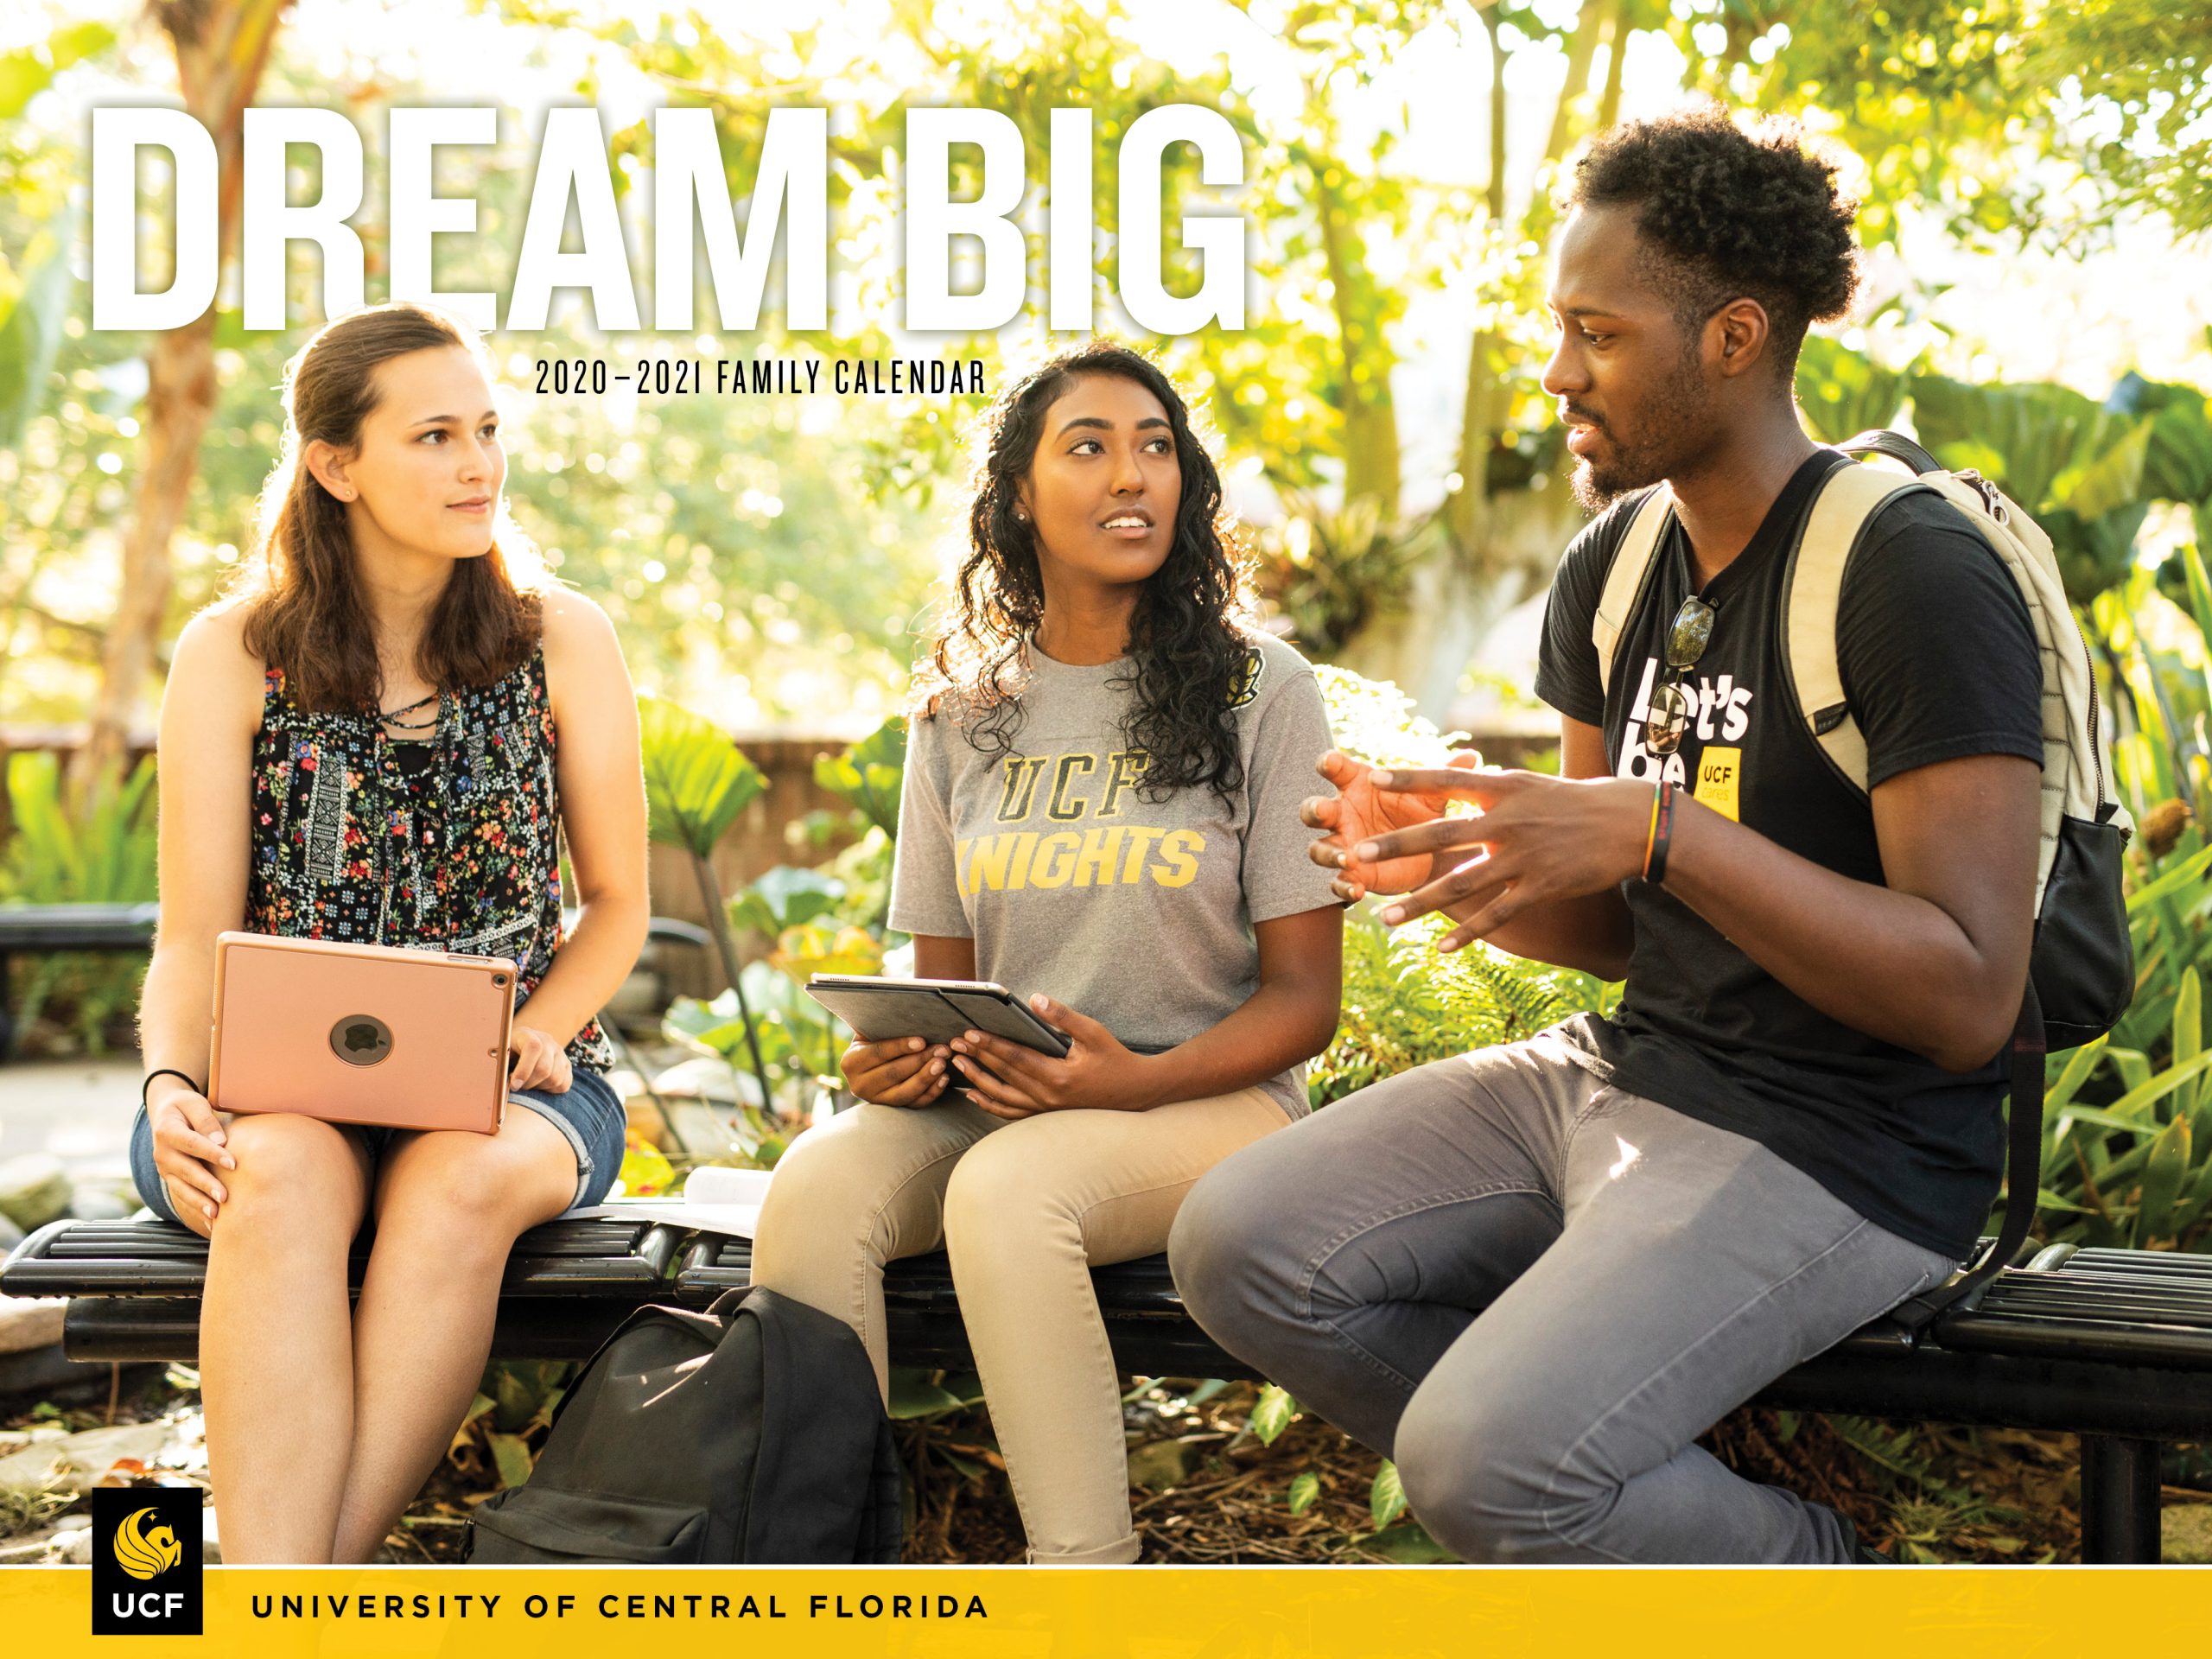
[{"x": 383, "y": 739}]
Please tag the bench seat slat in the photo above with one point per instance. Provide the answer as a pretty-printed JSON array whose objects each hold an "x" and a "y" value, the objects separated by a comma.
[
  {"x": 2094, "y": 1306},
  {"x": 77, "y": 927},
  {"x": 158, "y": 1260}
]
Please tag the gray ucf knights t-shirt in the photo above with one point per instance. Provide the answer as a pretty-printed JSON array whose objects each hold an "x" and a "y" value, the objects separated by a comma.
[{"x": 1138, "y": 913}]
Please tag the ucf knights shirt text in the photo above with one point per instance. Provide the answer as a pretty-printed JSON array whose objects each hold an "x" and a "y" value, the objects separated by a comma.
[
  {"x": 1939, "y": 661},
  {"x": 1138, "y": 913}
]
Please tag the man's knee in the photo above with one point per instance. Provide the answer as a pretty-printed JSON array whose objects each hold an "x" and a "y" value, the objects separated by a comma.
[
  {"x": 1218, "y": 1249},
  {"x": 1488, "y": 1477}
]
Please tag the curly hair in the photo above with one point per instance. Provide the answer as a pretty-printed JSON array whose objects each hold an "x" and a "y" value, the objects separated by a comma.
[
  {"x": 1726, "y": 214},
  {"x": 1189, "y": 637}
]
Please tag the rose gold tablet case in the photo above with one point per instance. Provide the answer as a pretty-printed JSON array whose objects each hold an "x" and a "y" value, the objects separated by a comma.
[{"x": 361, "y": 1034}]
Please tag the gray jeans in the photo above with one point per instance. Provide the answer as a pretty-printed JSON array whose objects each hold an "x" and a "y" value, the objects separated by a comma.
[{"x": 1533, "y": 1292}]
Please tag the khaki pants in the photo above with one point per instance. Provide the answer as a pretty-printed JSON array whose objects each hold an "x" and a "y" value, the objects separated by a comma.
[{"x": 1023, "y": 1208}]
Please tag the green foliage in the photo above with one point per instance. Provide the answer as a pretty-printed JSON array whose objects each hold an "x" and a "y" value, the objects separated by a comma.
[
  {"x": 1329, "y": 570},
  {"x": 2087, "y": 473},
  {"x": 1373, "y": 721},
  {"x": 865, "y": 869},
  {"x": 1406, "y": 1003},
  {"x": 786, "y": 897},
  {"x": 2075, "y": 466},
  {"x": 921, "y": 1395},
  {"x": 799, "y": 1043},
  {"x": 30, "y": 70},
  {"x": 1409, "y": 1544},
  {"x": 816, "y": 921},
  {"x": 508, "y": 1420},
  {"x": 2146, "y": 64},
  {"x": 1387, "y": 1501},
  {"x": 99, "y": 851},
  {"x": 696, "y": 780},
  {"x": 1842, "y": 392},
  {"x": 867, "y": 775},
  {"x": 1271, "y": 1414},
  {"x": 2127, "y": 1150}
]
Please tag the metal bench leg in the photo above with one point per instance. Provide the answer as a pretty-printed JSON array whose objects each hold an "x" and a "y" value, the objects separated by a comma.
[{"x": 2120, "y": 1500}]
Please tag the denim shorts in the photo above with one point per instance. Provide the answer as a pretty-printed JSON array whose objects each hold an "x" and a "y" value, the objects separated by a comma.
[{"x": 589, "y": 1115}]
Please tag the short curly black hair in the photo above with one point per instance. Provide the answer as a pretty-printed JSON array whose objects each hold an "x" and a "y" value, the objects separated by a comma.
[{"x": 1726, "y": 213}]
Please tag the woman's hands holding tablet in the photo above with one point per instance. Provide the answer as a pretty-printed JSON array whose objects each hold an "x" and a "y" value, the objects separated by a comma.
[
  {"x": 1008, "y": 1080},
  {"x": 899, "y": 1071}
]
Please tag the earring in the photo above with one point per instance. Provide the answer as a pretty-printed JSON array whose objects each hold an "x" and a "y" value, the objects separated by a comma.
[{"x": 1019, "y": 517}]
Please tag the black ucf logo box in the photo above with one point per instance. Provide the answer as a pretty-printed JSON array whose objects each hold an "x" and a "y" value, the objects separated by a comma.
[{"x": 146, "y": 1565}]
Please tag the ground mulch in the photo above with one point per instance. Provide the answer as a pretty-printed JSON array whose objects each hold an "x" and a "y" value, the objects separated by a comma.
[
  {"x": 1919, "y": 1492},
  {"x": 1207, "y": 1490}
]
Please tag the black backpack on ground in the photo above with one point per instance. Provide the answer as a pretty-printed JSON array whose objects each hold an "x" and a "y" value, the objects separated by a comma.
[{"x": 750, "y": 1433}]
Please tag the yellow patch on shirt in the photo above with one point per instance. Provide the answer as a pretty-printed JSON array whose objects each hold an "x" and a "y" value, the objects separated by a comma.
[{"x": 1720, "y": 778}]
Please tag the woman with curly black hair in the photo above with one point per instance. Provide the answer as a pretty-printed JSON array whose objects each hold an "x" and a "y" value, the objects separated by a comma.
[{"x": 1101, "y": 812}]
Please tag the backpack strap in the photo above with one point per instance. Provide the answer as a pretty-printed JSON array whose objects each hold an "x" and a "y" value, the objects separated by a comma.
[
  {"x": 1629, "y": 575},
  {"x": 1812, "y": 595}
]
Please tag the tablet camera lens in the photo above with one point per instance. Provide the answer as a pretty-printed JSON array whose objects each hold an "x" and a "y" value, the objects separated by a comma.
[{"x": 500, "y": 979}]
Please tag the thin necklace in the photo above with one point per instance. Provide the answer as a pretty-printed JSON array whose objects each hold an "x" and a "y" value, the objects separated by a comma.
[{"x": 393, "y": 720}]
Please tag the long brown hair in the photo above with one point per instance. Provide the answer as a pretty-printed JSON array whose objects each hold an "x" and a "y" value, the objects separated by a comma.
[{"x": 305, "y": 612}]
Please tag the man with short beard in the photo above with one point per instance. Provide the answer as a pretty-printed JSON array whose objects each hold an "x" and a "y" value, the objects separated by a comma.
[{"x": 1533, "y": 1273}]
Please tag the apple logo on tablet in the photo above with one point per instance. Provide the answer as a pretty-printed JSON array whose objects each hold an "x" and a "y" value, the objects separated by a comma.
[{"x": 360, "y": 1040}]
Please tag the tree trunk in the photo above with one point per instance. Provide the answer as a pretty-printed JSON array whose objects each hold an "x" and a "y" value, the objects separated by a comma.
[
  {"x": 1609, "y": 101},
  {"x": 1494, "y": 551},
  {"x": 1371, "y": 447},
  {"x": 1454, "y": 602},
  {"x": 1498, "y": 56},
  {"x": 1593, "y": 21},
  {"x": 221, "y": 50},
  {"x": 1466, "y": 511}
]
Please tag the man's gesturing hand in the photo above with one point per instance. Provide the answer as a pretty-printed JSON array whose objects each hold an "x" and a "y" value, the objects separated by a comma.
[
  {"x": 1535, "y": 840},
  {"x": 1359, "y": 811}
]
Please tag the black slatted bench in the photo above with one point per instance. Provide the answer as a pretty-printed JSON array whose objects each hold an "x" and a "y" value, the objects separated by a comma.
[
  {"x": 42, "y": 930},
  {"x": 135, "y": 1286},
  {"x": 2112, "y": 1345}
]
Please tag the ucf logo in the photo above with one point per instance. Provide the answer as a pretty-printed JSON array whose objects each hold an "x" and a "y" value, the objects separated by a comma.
[
  {"x": 146, "y": 1566},
  {"x": 144, "y": 1554},
  {"x": 1244, "y": 684}
]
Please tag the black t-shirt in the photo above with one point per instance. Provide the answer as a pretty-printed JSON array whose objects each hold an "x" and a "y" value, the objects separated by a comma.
[{"x": 1939, "y": 660}]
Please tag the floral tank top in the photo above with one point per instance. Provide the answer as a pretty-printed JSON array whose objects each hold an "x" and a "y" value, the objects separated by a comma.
[{"x": 451, "y": 843}]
